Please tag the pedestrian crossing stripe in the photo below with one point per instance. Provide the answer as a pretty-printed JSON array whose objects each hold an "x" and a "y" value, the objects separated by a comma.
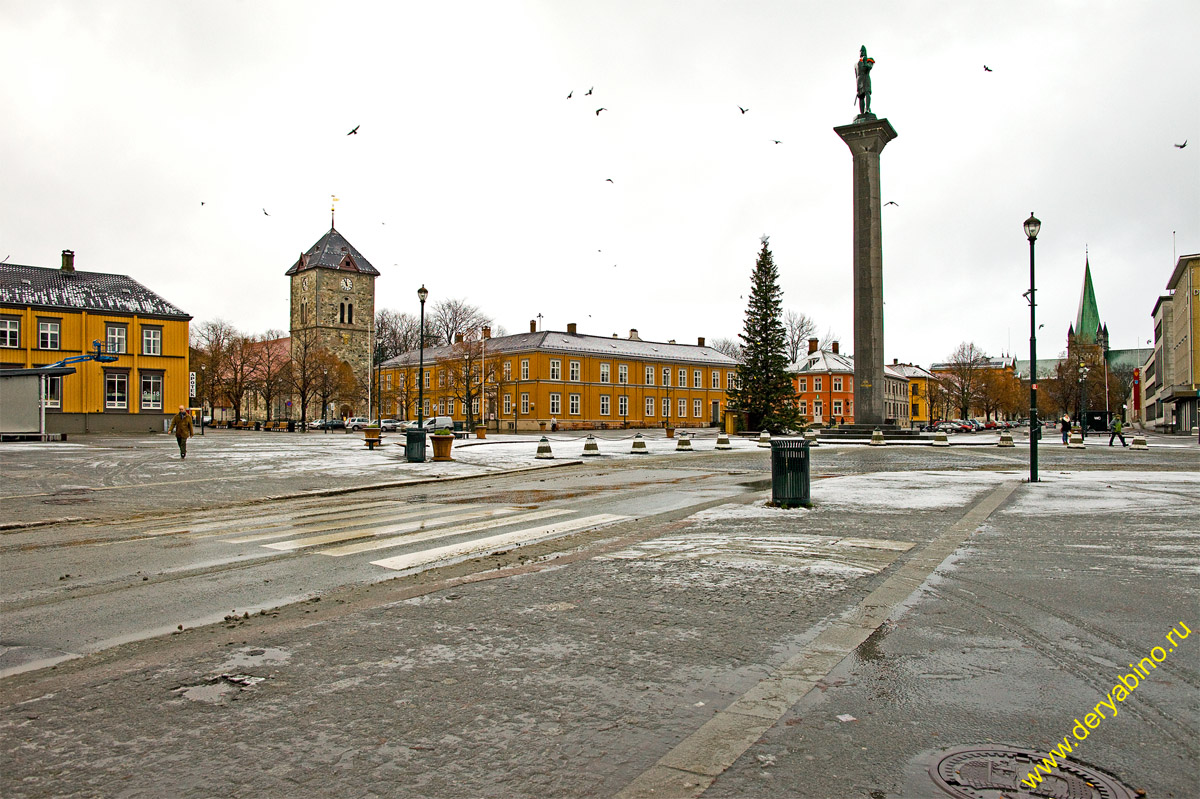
[
  {"x": 278, "y": 531},
  {"x": 347, "y": 535},
  {"x": 493, "y": 544},
  {"x": 440, "y": 532},
  {"x": 233, "y": 521}
]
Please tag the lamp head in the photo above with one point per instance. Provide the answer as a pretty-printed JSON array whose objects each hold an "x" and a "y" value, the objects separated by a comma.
[
  {"x": 422, "y": 293},
  {"x": 1033, "y": 226}
]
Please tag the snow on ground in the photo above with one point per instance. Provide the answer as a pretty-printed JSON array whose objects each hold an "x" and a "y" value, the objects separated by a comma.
[
  {"x": 890, "y": 491},
  {"x": 1107, "y": 491}
]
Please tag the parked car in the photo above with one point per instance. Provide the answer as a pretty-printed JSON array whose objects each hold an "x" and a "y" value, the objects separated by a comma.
[
  {"x": 389, "y": 425},
  {"x": 433, "y": 423},
  {"x": 357, "y": 422},
  {"x": 947, "y": 427},
  {"x": 328, "y": 424},
  {"x": 992, "y": 424}
]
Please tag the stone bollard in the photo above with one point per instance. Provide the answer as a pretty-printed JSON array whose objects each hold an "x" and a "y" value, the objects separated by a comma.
[
  {"x": 544, "y": 452},
  {"x": 940, "y": 440},
  {"x": 639, "y": 446},
  {"x": 684, "y": 443},
  {"x": 764, "y": 440},
  {"x": 1138, "y": 442},
  {"x": 811, "y": 437},
  {"x": 877, "y": 438},
  {"x": 590, "y": 448},
  {"x": 1006, "y": 440},
  {"x": 1076, "y": 440},
  {"x": 723, "y": 441}
]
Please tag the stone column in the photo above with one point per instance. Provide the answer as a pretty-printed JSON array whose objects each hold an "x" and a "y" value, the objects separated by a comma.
[{"x": 866, "y": 140}]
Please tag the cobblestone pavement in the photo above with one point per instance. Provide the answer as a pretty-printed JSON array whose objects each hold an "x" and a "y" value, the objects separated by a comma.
[{"x": 586, "y": 672}]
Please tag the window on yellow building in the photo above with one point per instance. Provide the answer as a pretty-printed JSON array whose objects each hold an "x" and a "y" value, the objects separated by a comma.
[
  {"x": 151, "y": 341},
  {"x": 507, "y": 404},
  {"x": 555, "y": 404},
  {"x": 697, "y": 408},
  {"x": 604, "y": 373},
  {"x": 10, "y": 331},
  {"x": 49, "y": 337},
  {"x": 666, "y": 375},
  {"x": 116, "y": 390},
  {"x": 682, "y": 378},
  {"x": 152, "y": 392},
  {"x": 622, "y": 374},
  {"x": 682, "y": 408},
  {"x": 53, "y": 391},
  {"x": 507, "y": 371},
  {"x": 716, "y": 379},
  {"x": 555, "y": 369},
  {"x": 649, "y": 406},
  {"x": 697, "y": 380},
  {"x": 574, "y": 371},
  {"x": 605, "y": 401},
  {"x": 666, "y": 407},
  {"x": 649, "y": 375},
  {"x": 525, "y": 403},
  {"x": 573, "y": 404},
  {"x": 524, "y": 368},
  {"x": 623, "y": 406}
]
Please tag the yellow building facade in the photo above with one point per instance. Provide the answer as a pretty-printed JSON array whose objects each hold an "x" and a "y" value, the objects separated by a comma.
[
  {"x": 578, "y": 381},
  {"x": 49, "y": 315}
]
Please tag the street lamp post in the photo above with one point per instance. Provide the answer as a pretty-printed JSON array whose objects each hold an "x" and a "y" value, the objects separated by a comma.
[
  {"x": 415, "y": 439},
  {"x": 203, "y": 389},
  {"x": 1083, "y": 373},
  {"x": 1032, "y": 227},
  {"x": 325, "y": 401}
]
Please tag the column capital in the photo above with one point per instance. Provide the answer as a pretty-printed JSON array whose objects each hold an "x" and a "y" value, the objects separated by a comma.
[{"x": 870, "y": 136}]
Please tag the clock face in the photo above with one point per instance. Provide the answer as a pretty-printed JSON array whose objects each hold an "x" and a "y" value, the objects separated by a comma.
[{"x": 347, "y": 284}]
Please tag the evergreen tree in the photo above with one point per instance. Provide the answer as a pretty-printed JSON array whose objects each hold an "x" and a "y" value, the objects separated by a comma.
[{"x": 765, "y": 392}]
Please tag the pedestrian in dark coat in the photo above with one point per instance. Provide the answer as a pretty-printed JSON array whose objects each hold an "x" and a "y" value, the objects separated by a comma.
[
  {"x": 1065, "y": 424},
  {"x": 181, "y": 425}
]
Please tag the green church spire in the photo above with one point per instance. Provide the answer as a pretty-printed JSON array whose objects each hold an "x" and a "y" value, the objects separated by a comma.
[{"x": 1087, "y": 321}]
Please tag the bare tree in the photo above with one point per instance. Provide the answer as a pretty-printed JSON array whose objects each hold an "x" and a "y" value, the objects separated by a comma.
[
  {"x": 450, "y": 317},
  {"x": 728, "y": 346},
  {"x": 271, "y": 368},
  {"x": 799, "y": 328},
  {"x": 305, "y": 369},
  {"x": 212, "y": 341},
  {"x": 828, "y": 339},
  {"x": 395, "y": 334},
  {"x": 965, "y": 368}
]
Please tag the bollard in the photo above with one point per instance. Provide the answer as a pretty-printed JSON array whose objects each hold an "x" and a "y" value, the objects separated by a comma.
[
  {"x": 723, "y": 441},
  {"x": 684, "y": 443},
  {"x": 639, "y": 446},
  {"x": 877, "y": 438},
  {"x": 764, "y": 440},
  {"x": 590, "y": 448},
  {"x": 544, "y": 452},
  {"x": 1138, "y": 442},
  {"x": 940, "y": 440},
  {"x": 1076, "y": 441},
  {"x": 811, "y": 437},
  {"x": 1006, "y": 440}
]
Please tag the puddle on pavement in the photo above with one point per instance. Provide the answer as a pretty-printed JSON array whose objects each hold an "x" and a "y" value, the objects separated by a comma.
[
  {"x": 250, "y": 657},
  {"x": 215, "y": 689}
]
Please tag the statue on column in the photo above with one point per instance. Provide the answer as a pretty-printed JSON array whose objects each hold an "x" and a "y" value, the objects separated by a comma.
[{"x": 862, "y": 72}]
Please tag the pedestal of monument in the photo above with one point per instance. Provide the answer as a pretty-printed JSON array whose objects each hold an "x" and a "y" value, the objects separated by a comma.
[{"x": 866, "y": 138}]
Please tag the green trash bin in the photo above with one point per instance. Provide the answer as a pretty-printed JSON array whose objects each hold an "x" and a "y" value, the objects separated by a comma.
[
  {"x": 414, "y": 446},
  {"x": 790, "y": 473}
]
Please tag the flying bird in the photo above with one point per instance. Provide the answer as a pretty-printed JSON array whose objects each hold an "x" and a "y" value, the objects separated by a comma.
[
  {"x": 743, "y": 110},
  {"x": 598, "y": 110},
  {"x": 589, "y": 91},
  {"x": 355, "y": 131},
  {"x": 1181, "y": 146},
  {"x": 570, "y": 93},
  {"x": 986, "y": 68},
  {"x": 6, "y": 259},
  {"x": 202, "y": 202},
  {"x": 610, "y": 180},
  {"x": 776, "y": 141},
  {"x": 265, "y": 212},
  {"x": 890, "y": 202}
]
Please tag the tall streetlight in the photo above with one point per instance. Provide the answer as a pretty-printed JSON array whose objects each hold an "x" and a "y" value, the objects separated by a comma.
[
  {"x": 203, "y": 389},
  {"x": 1083, "y": 373},
  {"x": 415, "y": 441},
  {"x": 1032, "y": 227}
]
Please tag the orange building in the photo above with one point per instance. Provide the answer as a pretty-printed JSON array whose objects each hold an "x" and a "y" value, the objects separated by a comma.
[
  {"x": 824, "y": 384},
  {"x": 581, "y": 381},
  {"x": 48, "y": 315}
]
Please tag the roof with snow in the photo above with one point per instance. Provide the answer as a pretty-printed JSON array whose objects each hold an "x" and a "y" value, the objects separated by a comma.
[
  {"x": 912, "y": 370},
  {"x": 333, "y": 251},
  {"x": 579, "y": 344},
  {"x": 40, "y": 287},
  {"x": 829, "y": 362}
]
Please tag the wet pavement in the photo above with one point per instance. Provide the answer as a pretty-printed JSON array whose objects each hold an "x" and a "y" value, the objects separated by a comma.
[{"x": 725, "y": 649}]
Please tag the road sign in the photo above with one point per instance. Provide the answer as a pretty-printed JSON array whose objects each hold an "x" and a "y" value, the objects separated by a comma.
[{"x": 191, "y": 384}]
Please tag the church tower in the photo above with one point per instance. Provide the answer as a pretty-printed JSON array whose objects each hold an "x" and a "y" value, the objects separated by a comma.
[
  {"x": 1088, "y": 336},
  {"x": 333, "y": 301}
]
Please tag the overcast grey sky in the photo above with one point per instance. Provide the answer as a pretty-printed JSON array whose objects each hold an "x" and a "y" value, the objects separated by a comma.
[{"x": 474, "y": 174}]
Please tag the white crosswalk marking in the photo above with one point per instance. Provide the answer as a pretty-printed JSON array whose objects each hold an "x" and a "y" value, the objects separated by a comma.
[
  {"x": 440, "y": 532},
  {"x": 317, "y": 540},
  {"x": 494, "y": 543},
  {"x": 276, "y": 531},
  {"x": 240, "y": 519}
]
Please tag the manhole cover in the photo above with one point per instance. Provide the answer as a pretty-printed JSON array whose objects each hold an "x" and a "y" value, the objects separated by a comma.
[{"x": 995, "y": 772}]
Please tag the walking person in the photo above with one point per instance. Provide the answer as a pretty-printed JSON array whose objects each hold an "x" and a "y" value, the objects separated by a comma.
[
  {"x": 181, "y": 425},
  {"x": 1065, "y": 424},
  {"x": 1116, "y": 427}
]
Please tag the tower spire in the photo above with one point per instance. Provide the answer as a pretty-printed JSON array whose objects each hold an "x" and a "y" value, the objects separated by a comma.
[{"x": 332, "y": 200}]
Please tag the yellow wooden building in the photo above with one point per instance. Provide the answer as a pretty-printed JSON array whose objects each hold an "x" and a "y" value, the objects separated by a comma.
[
  {"x": 48, "y": 315},
  {"x": 535, "y": 379}
]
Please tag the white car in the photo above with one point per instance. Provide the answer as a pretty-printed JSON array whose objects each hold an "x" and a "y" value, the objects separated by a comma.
[{"x": 358, "y": 422}]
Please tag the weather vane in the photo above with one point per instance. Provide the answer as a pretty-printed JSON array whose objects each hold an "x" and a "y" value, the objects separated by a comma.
[{"x": 332, "y": 200}]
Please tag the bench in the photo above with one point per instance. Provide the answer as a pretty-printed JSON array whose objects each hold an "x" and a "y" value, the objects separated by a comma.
[{"x": 277, "y": 426}]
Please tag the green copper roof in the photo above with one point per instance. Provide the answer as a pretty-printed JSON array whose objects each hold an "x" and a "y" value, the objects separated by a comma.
[{"x": 1087, "y": 321}]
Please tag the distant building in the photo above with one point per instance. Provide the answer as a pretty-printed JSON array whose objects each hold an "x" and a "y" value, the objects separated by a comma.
[
  {"x": 1171, "y": 374},
  {"x": 824, "y": 384},
  {"x": 924, "y": 393},
  {"x": 48, "y": 315},
  {"x": 526, "y": 380}
]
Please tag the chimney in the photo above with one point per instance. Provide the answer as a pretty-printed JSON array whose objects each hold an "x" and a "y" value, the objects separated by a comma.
[
  {"x": 633, "y": 336},
  {"x": 458, "y": 338},
  {"x": 571, "y": 328},
  {"x": 834, "y": 347},
  {"x": 813, "y": 343},
  {"x": 700, "y": 341},
  {"x": 487, "y": 332},
  {"x": 68, "y": 263},
  {"x": 532, "y": 325},
  {"x": 895, "y": 361}
]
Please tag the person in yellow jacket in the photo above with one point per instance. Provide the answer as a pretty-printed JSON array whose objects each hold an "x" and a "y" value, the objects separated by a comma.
[{"x": 181, "y": 426}]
